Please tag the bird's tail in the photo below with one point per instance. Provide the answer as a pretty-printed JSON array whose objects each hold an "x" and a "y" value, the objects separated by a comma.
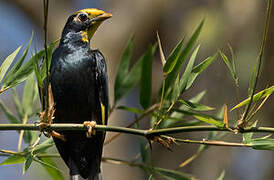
[{"x": 78, "y": 177}]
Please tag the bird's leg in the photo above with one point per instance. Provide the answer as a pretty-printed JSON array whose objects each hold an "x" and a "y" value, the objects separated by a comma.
[{"x": 90, "y": 125}]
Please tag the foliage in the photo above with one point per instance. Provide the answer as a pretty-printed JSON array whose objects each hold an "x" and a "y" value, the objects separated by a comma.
[{"x": 169, "y": 108}]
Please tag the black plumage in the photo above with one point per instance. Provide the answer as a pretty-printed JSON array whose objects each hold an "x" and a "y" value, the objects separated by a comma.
[{"x": 78, "y": 77}]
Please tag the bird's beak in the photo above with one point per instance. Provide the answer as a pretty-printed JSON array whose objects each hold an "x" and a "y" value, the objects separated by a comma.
[{"x": 101, "y": 17}]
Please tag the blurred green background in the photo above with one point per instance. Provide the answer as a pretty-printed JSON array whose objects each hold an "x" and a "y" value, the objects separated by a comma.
[{"x": 239, "y": 23}]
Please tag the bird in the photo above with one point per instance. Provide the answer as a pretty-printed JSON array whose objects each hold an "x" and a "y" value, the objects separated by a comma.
[{"x": 79, "y": 84}]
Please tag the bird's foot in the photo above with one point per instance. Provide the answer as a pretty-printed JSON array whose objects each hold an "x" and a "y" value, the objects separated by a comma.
[
  {"x": 58, "y": 135},
  {"x": 90, "y": 125}
]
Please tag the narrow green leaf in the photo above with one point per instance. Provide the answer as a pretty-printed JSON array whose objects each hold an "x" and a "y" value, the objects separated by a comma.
[
  {"x": 43, "y": 146},
  {"x": 196, "y": 106},
  {"x": 13, "y": 159},
  {"x": 122, "y": 71},
  {"x": 177, "y": 117},
  {"x": 203, "y": 117},
  {"x": 256, "y": 97},
  {"x": 187, "y": 73},
  {"x": 144, "y": 152},
  {"x": 173, "y": 57},
  {"x": 222, "y": 175},
  {"x": 30, "y": 136},
  {"x": 130, "y": 80},
  {"x": 247, "y": 137},
  {"x": 27, "y": 163},
  {"x": 25, "y": 70},
  {"x": 228, "y": 64},
  {"x": 50, "y": 48},
  {"x": 7, "y": 62},
  {"x": 232, "y": 58},
  {"x": 131, "y": 109},
  {"x": 220, "y": 113},
  {"x": 22, "y": 73},
  {"x": 171, "y": 174},
  {"x": 151, "y": 177},
  {"x": 51, "y": 168},
  {"x": 17, "y": 103},
  {"x": 197, "y": 70},
  {"x": 252, "y": 78},
  {"x": 262, "y": 144},
  {"x": 9, "y": 114},
  {"x": 146, "y": 77},
  {"x": 180, "y": 86},
  {"x": 28, "y": 95},
  {"x": 20, "y": 61},
  {"x": 175, "y": 90},
  {"x": 175, "y": 71},
  {"x": 209, "y": 120}
]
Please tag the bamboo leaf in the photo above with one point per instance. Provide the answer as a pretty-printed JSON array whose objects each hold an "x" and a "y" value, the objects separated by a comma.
[
  {"x": 20, "y": 61},
  {"x": 171, "y": 174},
  {"x": 43, "y": 146},
  {"x": 122, "y": 71},
  {"x": 13, "y": 159},
  {"x": 22, "y": 73},
  {"x": 130, "y": 80},
  {"x": 51, "y": 168},
  {"x": 28, "y": 95},
  {"x": 228, "y": 64},
  {"x": 9, "y": 114},
  {"x": 247, "y": 137},
  {"x": 262, "y": 144},
  {"x": 203, "y": 117},
  {"x": 256, "y": 97},
  {"x": 176, "y": 117},
  {"x": 146, "y": 77},
  {"x": 27, "y": 163},
  {"x": 43, "y": 73},
  {"x": 187, "y": 73},
  {"x": 144, "y": 152},
  {"x": 131, "y": 109},
  {"x": 17, "y": 103},
  {"x": 173, "y": 57},
  {"x": 25, "y": 70},
  {"x": 197, "y": 70},
  {"x": 175, "y": 90},
  {"x": 222, "y": 175},
  {"x": 175, "y": 71},
  {"x": 7, "y": 62},
  {"x": 196, "y": 106},
  {"x": 232, "y": 58}
]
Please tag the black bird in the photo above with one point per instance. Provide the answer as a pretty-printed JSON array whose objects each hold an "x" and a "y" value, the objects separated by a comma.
[{"x": 78, "y": 78}]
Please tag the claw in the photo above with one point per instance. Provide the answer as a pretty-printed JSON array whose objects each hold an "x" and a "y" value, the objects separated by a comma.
[
  {"x": 90, "y": 125},
  {"x": 58, "y": 135}
]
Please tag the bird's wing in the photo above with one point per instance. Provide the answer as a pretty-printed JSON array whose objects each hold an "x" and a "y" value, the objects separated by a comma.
[{"x": 102, "y": 84}]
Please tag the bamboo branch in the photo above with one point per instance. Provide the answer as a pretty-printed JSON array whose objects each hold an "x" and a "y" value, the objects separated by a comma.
[{"x": 145, "y": 133}]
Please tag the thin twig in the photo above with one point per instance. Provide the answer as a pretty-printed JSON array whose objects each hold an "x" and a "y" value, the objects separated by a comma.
[
  {"x": 214, "y": 143},
  {"x": 266, "y": 27},
  {"x": 46, "y": 8},
  {"x": 22, "y": 133}
]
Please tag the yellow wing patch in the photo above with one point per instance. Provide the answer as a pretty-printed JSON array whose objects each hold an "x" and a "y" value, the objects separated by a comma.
[{"x": 103, "y": 113}]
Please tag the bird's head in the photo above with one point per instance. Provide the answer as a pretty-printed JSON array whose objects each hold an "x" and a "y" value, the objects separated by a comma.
[{"x": 86, "y": 22}]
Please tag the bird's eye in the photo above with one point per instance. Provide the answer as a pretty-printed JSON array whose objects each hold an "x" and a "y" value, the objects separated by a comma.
[{"x": 82, "y": 17}]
